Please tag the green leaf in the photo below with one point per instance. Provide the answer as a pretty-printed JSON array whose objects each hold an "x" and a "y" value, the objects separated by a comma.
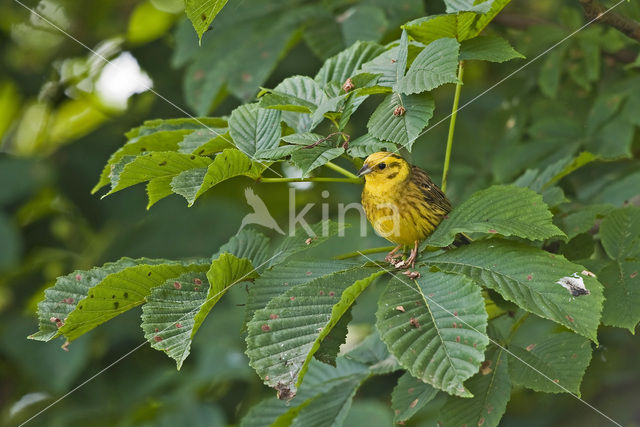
[
  {"x": 168, "y": 314},
  {"x": 345, "y": 64},
  {"x": 118, "y": 292},
  {"x": 148, "y": 23},
  {"x": 201, "y": 13},
  {"x": 253, "y": 128},
  {"x": 491, "y": 390},
  {"x": 454, "y": 6},
  {"x": 488, "y": 48},
  {"x": 191, "y": 184},
  {"x": 434, "y": 66},
  {"x": 284, "y": 276},
  {"x": 312, "y": 236},
  {"x": 153, "y": 165},
  {"x": 583, "y": 219},
  {"x": 528, "y": 277},
  {"x": 435, "y": 326},
  {"x": 554, "y": 172},
  {"x": 409, "y": 396},
  {"x": 330, "y": 345},
  {"x": 299, "y": 94},
  {"x": 391, "y": 64},
  {"x": 621, "y": 282},
  {"x": 158, "y": 189},
  {"x": 462, "y": 25},
  {"x": 205, "y": 142},
  {"x": 502, "y": 209},
  {"x": 249, "y": 244},
  {"x": 562, "y": 357},
  {"x": 366, "y": 145},
  {"x": 551, "y": 72},
  {"x": 225, "y": 271},
  {"x": 389, "y": 123},
  {"x": 429, "y": 28},
  {"x": 321, "y": 382},
  {"x": 62, "y": 298},
  {"x": 363, "y": 23},
  {"x": 283, "y": 337},
  {"x": 158, "y": 141},
  {"x": 309, "y": 159},
  {"x": 620, "y": 233}
]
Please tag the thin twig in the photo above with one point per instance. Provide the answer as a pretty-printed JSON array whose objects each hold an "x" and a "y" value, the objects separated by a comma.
[{"x": 627, "y": 26}]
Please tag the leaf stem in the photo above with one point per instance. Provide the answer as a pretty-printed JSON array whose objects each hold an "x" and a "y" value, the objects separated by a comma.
[
  {"x": 355, "y": 180},
  {"x": 364, "y": 252},
  {"x": 342, "y": 171},
  {"x": 452, "y": 125}
]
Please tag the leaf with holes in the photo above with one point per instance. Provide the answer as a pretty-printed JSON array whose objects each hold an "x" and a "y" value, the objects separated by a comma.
[
  {"x": 120, "y": 291},
  {"x": 201, "y": 13},
  {"x": 205, "y": 142},
  {"x": 253, "y": 128},
  {"x": 435, "y": 326},
  {"x": 231, "y": 163},
  {"x": 400, "y": 118},
  {"x": 169, "y": 312},
  {"x": 491, "y": 390},
  {"x": 62, "y": 298},
  {"x": 529, "y": 277},
  {"x": 434, "y": 66},
  {"x": 501, "y": 209},
  {"x": 225, "y": 271},
  {"x": 283, "y": 337},
  {"x": 488, "y": 48},
  {"x": 150, "y": 166},
  {"x": 409, "y": 396}
]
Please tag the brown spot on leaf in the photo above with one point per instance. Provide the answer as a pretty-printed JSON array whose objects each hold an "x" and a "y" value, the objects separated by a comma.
[
  {"x": 480, "y": 421},
  {"x": 292, "y": 298},
  {"x": 332, "y": 294},
  {"x": 273, "y": 316},
  {"x": 492, "y": 230},
  {"x": 458, "y": 338},
  {"x": 400, "y": 308},
  {"x": 265, "y": 328},
  {"x": 178, "y": 325},
  {"x": 413, "y": 404},
  {"x": 531, "y": 347},
  {"x": 569, "y": 318},
  {"x": 529, "y": 277},
  {"x": 177, "y": 285},
  {"x": 633, "y": 275},
  {"x": 157, "y": 338},
  {"x": 78, "y": 277},
  {"x": 485, "y": 367},
  {"x": 414, "y": 322},
  {"x": 197, "y": 281}
]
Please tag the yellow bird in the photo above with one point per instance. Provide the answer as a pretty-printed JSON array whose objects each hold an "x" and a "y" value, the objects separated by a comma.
[{"x": 401, "y": 202}]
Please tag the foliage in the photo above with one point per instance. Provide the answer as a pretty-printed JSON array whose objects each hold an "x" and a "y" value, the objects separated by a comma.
[{"x": 545, "y": 185}]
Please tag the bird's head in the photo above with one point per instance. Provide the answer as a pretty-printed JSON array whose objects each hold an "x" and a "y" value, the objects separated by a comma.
[{"x": 383, "y": 168}]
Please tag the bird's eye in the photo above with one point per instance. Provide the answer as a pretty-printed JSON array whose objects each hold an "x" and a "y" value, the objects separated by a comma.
[{"x": 382, "y": 166}]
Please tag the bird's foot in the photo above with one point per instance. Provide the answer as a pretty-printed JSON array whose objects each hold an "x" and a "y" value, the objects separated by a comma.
[{"x": 392, "y": 256}]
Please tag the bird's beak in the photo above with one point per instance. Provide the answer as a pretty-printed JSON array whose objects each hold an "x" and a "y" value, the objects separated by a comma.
[{"x": 364, "y": 170}]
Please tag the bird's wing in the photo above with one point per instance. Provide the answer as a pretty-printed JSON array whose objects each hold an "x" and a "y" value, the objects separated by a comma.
[{"x": 432, "y": 193}]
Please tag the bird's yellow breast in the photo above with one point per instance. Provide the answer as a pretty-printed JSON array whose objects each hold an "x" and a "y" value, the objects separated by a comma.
[{"x": 400, "y": 213}]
